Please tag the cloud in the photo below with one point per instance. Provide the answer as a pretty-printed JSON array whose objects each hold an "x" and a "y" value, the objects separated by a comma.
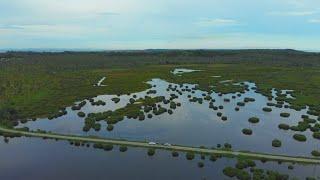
[
  {"x": 292, "y": 13},
  {"x": 314, "y": 21},
  {"x": 217, "y": 22}
]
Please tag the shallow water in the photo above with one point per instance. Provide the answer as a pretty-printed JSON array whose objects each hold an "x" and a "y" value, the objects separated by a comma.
[
  {"x": 183, "y": 70},
  {"x": 195, "y": 124},
  {"x": 37, "y": 159}
]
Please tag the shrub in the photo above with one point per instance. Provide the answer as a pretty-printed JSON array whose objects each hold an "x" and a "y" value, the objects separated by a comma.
[
  {"x": 190, "y": 155},
  {"x": 170, "y": 111},
  {"x": 267, "y": 109},
  {"x": 110, "y": 127},
  {"x": 175, "y": 154},
  {"x": 247, "y": 131},
  {"x": 248, "y": 99},
  {"x": 227, "y": 146},
  {"x": 107, "y": 147},
  {"x": 149, "y": 116},
  {"x": 123, "y": 148},
  {"x": 200, "y": 164},
  {"x": 224, "y": 118},
  {"x": 236, "y": 108},
  {"x": 240, "y": 103},
  {"x": 115, "y": 100},
  {"x": 253, "y": 120},
  {"x": 151, "y": 151},
  {"x": 283, "y": 114},
  {"x": 284, "y": 126},
  {"x": 219, "y": 114},
  {"x": 300, "y": 137},
  {"x": 315, "y": 153},
  {"x": 316, "y": 135},
  {"x": 226, "y": 100},
  {"x": 230, "y": 171},
  {"x": 276, "y": 143},
  {"x": 213, "y": 157},
  {"x": 81, "y": 114},
  {"x": 97, "y": 127}
]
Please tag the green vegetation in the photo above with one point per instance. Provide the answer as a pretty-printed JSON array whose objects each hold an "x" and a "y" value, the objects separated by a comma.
[
  {"x": 315, "y": 153},
  {"x": 34, "y": 85},
  {"x": 190, "y": 155},
  {"x": 175, "y": 154},
  {"x": 284, "y": 126},
  {"x": 115, "y": 99},
  {"x": 81, "y": 114},
  {"x": 267, "y": 109},
  {"x": 300, "y": 137},
  {"x": 247, "y": 131},
  {"x": 283, "y": 114},
  {"x": 123, "y": 148},
  {"x": 110, "y": 127},
  {"x": 200, "y": 164},
  {"x": 316, "y": 135},
  {"x": 253, "y": 120},
  {"x": 276, "y": 143},
  {"x": 151, "y": 152}
]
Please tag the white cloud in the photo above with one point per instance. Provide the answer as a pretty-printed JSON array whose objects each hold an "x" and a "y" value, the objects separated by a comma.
[
  {"x": 292, "y": 13},
  {"x": 217, "y": 22},
  {"x": 315, "y": 21}
]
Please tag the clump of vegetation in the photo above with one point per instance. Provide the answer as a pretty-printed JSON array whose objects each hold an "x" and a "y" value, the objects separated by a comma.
[
  {"x": 224, "y": 118},
  {"x": 200, "y": 164},
  {"x": 300, "y": 137},
  {"x": 284, "y": 126},
  {"x": 190, "y": 155},
  {"x": 276, "y": 143},
  {"x": 283, "y": 114},
  {"x": 315, "y": 153},
  {"x": 98, "y": 103},
  {"x": 236, "y": 108},
  {"x": 230, "y": 172},
  {"x": 267, "y": 109},
  {"x": 81, "y": 114},
  {"x": 78, "y": 106},
  {"x": 115, "y": 99},
  {"x": 253, "y": 120},
  {"x": 240, "y": 103},
  {"x": 247, "y": 131},
  {"x": 175, "y": 154},
  {"x": 123, "y": 148},
  {"x": 151, "y": 92},
  {"x": 110, "y": 127},
  {"x": 219, "y": 114},
  {"x": 248, "y": 99},
  {"x": 316, "y": 135},
  {"x": 226, "y": 100},
  {"x": 151, "y": 152}
]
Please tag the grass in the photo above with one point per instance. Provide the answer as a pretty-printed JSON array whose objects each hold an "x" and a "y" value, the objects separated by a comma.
[{"x": 39, "y": 85}]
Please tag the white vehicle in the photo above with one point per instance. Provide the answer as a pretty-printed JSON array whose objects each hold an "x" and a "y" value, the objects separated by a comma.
[
  {"x": 152, "y": 143},
  {"x": 167, "y": 144}
]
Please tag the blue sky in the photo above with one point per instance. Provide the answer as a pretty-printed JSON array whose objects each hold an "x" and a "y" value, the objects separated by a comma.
[{"x": 168, "y": 24}]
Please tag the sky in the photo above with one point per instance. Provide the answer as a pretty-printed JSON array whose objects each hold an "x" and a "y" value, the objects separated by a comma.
[{"x": 160, "y": 24}]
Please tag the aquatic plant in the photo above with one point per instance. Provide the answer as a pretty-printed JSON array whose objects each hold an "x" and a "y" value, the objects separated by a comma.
[
  {"x": 276, "y": 143},
  {"x": 247, "y": 131},
  {"x": 253, "y": 120}
]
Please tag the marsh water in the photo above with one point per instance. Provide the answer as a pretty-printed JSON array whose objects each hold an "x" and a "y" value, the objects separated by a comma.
[
  {"x": 195, "y": 124},
  {"x": 37, "y": 159},
  {"x": 192, "y": 124}
]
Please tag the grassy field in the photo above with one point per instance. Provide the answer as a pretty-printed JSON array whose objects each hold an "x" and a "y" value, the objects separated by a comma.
[{"x": 39, "y": 84}]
